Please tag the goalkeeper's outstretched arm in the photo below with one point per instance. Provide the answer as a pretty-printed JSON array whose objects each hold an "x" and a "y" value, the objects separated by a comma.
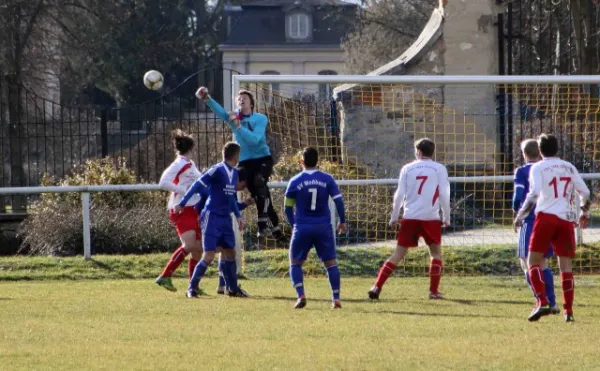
[{"x": 202, "y": 94}]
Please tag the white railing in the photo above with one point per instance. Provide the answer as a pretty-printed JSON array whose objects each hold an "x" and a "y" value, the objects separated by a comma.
[{"x": 86, "y": 192}]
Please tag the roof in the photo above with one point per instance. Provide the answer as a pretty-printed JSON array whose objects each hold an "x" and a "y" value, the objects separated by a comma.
[
  {"x": 304, "y": 2},
  {"x": 263, "y": 22},
  {"x": 430, "y": 34}
]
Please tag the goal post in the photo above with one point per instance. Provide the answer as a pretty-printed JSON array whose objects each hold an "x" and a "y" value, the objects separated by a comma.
[{"x": 365, "y": 127}]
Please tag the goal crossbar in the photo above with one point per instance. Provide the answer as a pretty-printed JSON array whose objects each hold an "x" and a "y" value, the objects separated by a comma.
[{"x": 414, "y": 79}]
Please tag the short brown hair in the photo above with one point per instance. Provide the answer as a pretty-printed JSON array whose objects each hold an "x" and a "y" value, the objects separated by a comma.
[
  {"x": 182, "y": 141},
  {"x": 530, "y": 148},
  {"x": 247, "y": 92},
  {"x": 426, "y": 146},
  {"x": 230, "y": 150},
  {"x": 548, "y": 145}
]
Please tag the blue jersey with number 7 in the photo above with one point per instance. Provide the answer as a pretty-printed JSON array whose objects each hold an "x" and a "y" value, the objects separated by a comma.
[{"x": 311, "y": 190}]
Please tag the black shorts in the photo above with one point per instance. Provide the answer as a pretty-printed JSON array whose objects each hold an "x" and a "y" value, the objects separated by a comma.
[{"x": 248, "y": 169}]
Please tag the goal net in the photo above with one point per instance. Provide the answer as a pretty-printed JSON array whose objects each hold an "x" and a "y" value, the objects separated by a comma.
[{"x": 365, "y": 127}]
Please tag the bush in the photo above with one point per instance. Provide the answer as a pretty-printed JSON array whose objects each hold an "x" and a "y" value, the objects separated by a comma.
[{"x": 121, "y": 222}]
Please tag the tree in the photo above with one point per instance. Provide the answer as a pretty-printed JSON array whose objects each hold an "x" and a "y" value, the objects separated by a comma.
[
  {"x": 383, "y": 31},
  {"x": 26, "y": 44},
  {"x": 56, "y": 48},
  {"x": 131, "y": 36}
]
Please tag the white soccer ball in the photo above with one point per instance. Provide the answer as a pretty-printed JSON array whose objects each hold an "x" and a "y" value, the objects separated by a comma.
[{"x": 153, "y": 80}]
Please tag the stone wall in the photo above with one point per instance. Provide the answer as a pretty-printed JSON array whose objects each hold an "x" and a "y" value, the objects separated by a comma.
[{"x": 379, "y": 124}]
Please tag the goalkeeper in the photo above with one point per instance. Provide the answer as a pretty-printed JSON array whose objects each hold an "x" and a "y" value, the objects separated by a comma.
[{"x": 256, "y": 163}]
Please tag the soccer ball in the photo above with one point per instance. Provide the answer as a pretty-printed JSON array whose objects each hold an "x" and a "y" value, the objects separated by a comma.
[{"x": 153, "y": 80}]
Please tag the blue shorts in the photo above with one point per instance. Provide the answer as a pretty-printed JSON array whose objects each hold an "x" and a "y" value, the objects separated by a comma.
[
  {"x": 217, "y": 231},
  {"x": 305, "y": 236},
  {"x": 525, "y": 236}
]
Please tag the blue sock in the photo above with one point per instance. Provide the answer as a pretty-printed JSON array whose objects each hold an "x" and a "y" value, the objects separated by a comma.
[
  {"x": 297, "y": 279},
  {"x": 333, "y": 273},
  {"x": 231, "y": 275},
  {"x": 222, "y": 269},
  {"x": 221, "y": 278},
  {"x": 198, "y": 274},
  {"x": 549, "y": 281}
]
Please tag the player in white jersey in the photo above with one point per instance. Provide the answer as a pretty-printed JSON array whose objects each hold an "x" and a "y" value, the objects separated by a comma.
[
  {"x": 423, "y": 189},
  {"x": 552, "y": 186},
  {"x": 177, "y": 178}
]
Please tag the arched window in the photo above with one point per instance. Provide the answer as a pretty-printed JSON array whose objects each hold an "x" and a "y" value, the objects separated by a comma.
[
  {"x": 325, "y": 89},
  {"x": 270, "y": 88}
]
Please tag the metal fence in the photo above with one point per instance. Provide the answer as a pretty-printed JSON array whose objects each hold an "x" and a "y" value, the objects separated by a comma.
[
  {"x": 547, "y": 37},
  {"x": 39, "y": 136}
]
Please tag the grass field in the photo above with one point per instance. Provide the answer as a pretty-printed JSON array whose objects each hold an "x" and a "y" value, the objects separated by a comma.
[{"x": 134, "y": 325}]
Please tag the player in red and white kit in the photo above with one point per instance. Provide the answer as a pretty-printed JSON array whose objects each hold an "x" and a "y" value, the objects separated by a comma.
[
  {"x": 423, "y": 189},
  {"x": 552, "y": 186},
  {"x": 177, "y": 178}
]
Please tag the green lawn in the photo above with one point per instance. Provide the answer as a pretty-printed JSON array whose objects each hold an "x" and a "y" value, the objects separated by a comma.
[
  {"x": 134, "y": 325},
  {"x": 353, "y": 261}
]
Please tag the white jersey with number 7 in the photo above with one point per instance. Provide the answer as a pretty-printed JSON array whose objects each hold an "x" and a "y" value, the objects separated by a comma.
[
  {"x": 423, "y": 189},
  {"x": 552, "y": 182}
]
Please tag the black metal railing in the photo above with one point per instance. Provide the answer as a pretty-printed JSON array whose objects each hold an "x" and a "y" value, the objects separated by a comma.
[
  {"x": 548, "y": 37},
  {"x": 39, "y": 136}
]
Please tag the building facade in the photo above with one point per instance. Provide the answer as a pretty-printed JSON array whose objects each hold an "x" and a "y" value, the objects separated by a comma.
[{"x": 285, "y": 37}]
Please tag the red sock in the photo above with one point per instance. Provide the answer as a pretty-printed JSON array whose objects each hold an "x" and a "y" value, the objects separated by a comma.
[
  {"x": 176, "y": 259},
  {"x": 435, "y": 274},
  {"x": 386, "y": 270},
  {"x": 536, "y": 276},
  {"x": 568, "y": 288},
  {"x": 191, "y": 265}
]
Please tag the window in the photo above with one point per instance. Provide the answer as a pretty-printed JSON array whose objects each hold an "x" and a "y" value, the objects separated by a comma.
[
  {"x": 325, "y": 89},
  {"x": 298, "y": 26},
  {"x": 269, "y": 89}
]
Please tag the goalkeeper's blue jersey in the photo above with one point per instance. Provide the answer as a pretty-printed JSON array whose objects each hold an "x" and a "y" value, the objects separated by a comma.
[
  {"x": 251, "y": 136},
  {"x": 311, "y": 189}
]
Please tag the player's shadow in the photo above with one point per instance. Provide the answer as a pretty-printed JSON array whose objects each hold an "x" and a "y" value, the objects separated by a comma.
[
  {"x": 292, "y": 298},
  {"x": 508, "y": 302},
  {"x": 477, "y": 301},
  {"x": 109, "y": 268},
  {"x": 425, "y": 314}
]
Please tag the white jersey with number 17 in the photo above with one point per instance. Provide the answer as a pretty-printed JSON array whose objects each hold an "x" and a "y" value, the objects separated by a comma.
[
  {"x": 423, "y": 189},
  {"x": 553, "y": 183}
]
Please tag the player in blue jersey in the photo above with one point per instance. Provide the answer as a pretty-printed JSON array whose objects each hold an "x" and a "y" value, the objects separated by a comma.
[
  {"x": 309, "y": 192},
  {"x": 249, "y": 128},
  {"x": 216, "y": 222},
  {"x": 531, "y": 154},
  {"x": 221, "y": 289}
]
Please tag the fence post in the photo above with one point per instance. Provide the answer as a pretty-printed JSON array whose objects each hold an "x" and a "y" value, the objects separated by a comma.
[
  {"x": 104, "y": 132},
  {"x": 85, "y": 205},
  {"x": 333, "y": 213}
]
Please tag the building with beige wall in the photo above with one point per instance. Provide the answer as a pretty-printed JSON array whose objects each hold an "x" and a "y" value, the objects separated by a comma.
[{"x": 286, "y": 37}]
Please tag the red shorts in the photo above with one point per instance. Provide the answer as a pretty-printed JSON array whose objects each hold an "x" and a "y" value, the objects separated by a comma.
[
  {"x": 550, "y": 229},
  {"x": 411, "y": 230},
  {"x": 187, "y": 220}
]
